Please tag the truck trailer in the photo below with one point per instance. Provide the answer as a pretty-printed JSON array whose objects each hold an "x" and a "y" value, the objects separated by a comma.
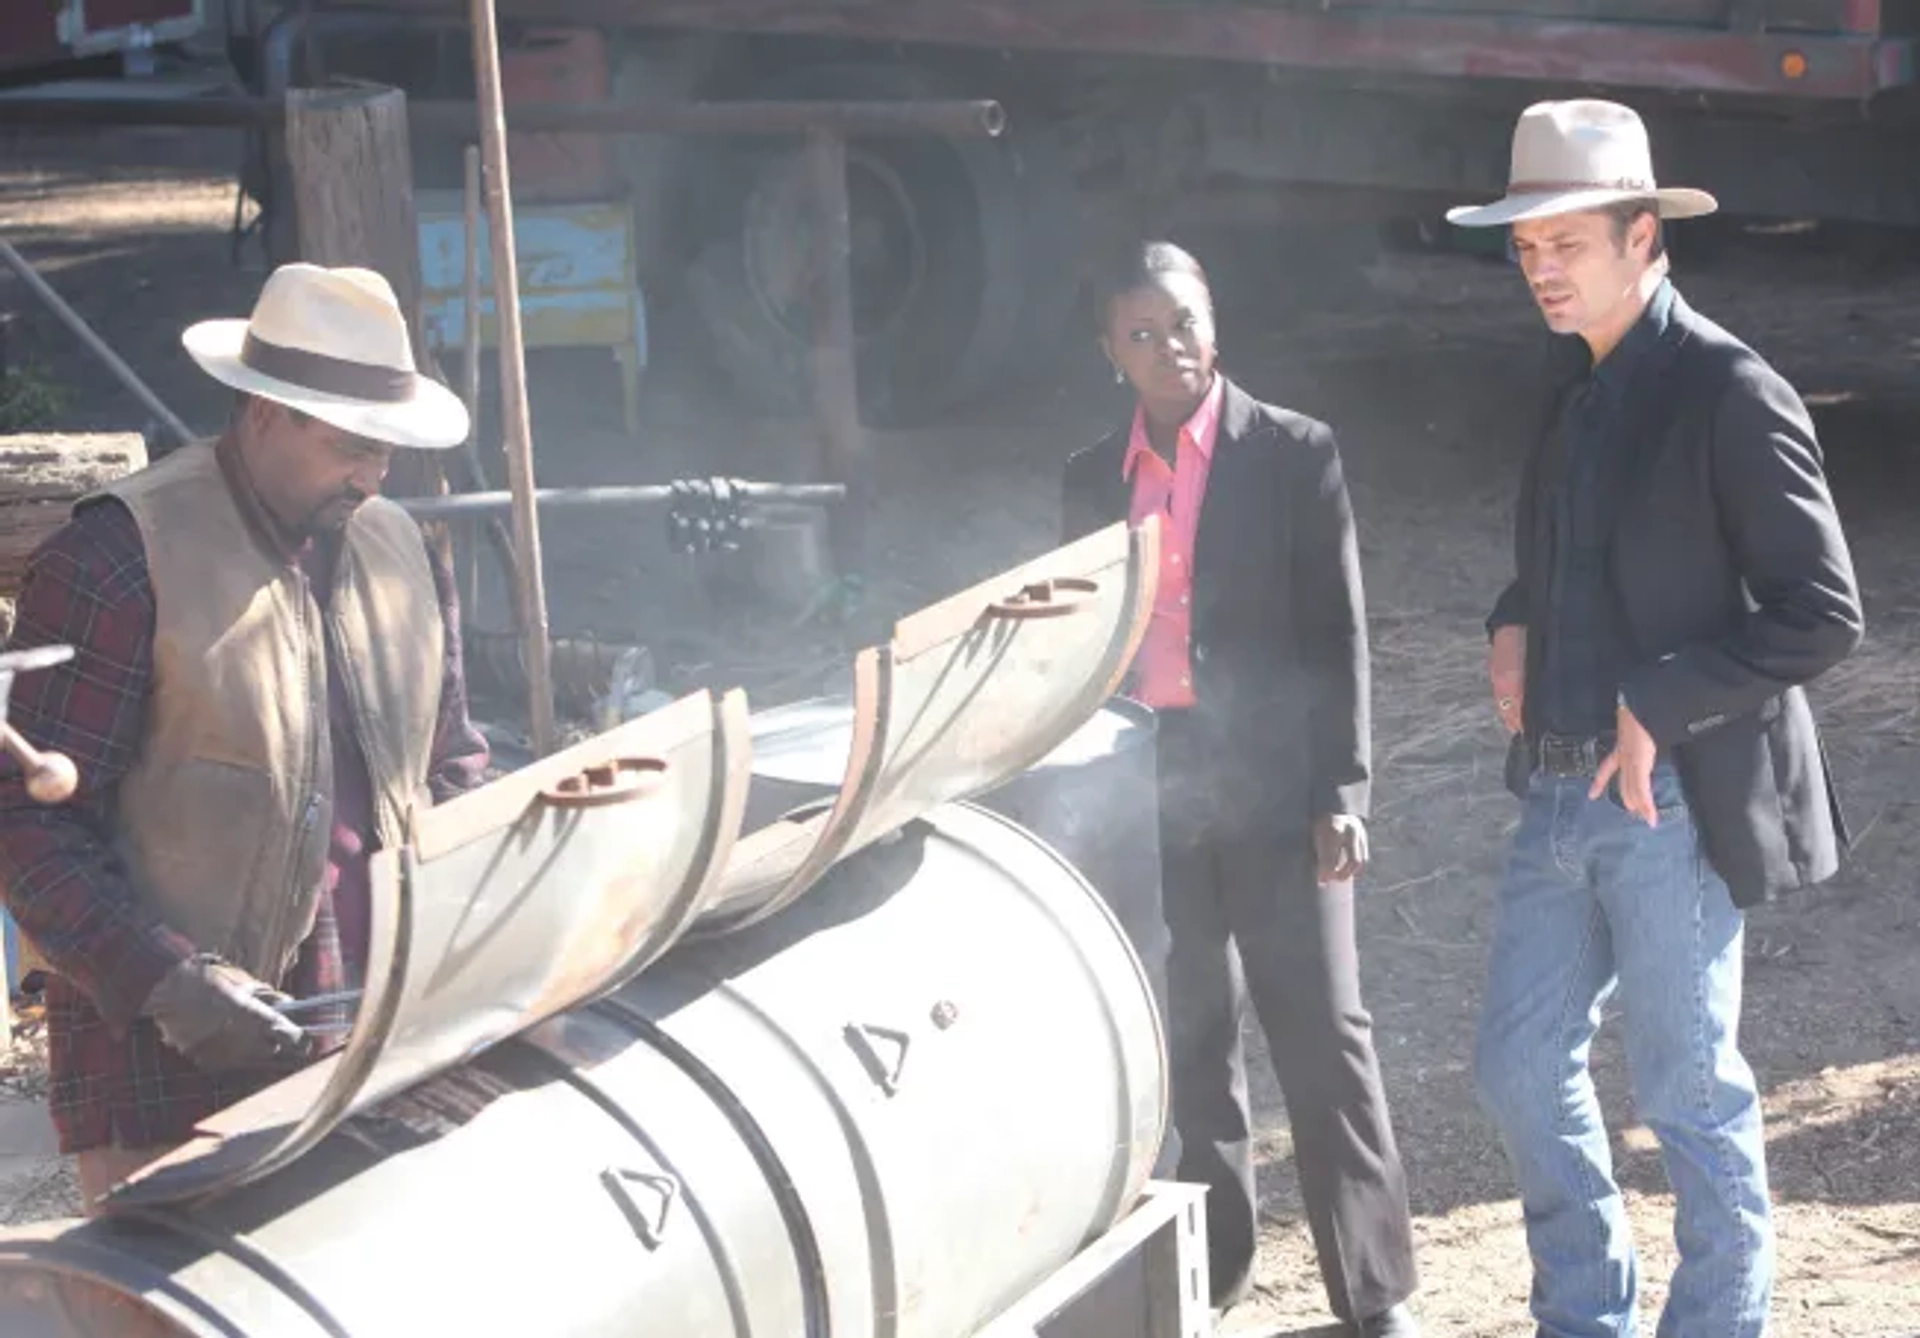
[{"x": 1318, "y": 121}]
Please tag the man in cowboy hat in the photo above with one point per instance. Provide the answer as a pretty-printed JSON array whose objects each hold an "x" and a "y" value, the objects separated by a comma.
[
  {"x": 1681, "y": 574},
  {"x": 267, "y": 682}
]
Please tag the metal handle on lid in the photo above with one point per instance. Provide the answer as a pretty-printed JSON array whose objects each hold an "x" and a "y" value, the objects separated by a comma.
[
  {"x": 1047, "y": 599},
  {"x": 619, "y": 780}
]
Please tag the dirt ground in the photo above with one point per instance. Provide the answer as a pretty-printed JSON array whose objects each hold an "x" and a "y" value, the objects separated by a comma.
[{"x": 1414, "y": 374}]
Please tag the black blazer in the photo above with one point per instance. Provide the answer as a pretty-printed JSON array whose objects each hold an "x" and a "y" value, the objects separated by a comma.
[
  {"x": 1734, "y": 588},
  {"x": 1279, "y": 621}
]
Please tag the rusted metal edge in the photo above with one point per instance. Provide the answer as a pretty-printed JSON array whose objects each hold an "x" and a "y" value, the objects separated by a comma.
[
  {"x": 261, "y": 1135},
  {"x": 813, "y": 843},
  {"x": 937, "y": 624},
  {"x": 807, "y": 847},
  {"x": 500, "y": 802},
  {"x": 944, "y": 624},
  {"x": 978, "y": 119}
]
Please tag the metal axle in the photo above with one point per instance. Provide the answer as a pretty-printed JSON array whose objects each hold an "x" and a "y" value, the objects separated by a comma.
[{"x": 468, "y": 504}]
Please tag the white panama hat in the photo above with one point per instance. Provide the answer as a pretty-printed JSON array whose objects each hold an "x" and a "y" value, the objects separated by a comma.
[
  {"x": 1578, "y": 155},
  {"x": 332, "y": 344}
]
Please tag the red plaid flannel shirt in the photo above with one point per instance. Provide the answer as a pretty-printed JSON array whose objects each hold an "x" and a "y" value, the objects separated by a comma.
[{"x": 113, "y": 1080}]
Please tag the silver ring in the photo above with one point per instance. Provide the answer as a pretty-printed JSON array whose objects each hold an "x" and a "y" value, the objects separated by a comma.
[{"x": 1506, "y": 703}]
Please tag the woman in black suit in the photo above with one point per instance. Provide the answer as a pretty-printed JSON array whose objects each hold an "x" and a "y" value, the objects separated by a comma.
[{"x": 1256, "y": 661}]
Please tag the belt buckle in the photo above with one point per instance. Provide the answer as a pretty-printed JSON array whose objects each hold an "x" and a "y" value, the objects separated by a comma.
[{"x": 1569, "y": 758}]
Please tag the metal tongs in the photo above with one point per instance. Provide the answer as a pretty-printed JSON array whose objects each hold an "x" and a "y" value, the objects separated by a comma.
[{"x": 318, "y": 1001}]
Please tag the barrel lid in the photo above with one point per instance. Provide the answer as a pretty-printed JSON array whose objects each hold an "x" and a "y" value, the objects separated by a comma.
[{"x": 808, "y": 742}]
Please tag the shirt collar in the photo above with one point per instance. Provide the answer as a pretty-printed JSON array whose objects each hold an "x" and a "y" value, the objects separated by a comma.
[
  {"x": 271, "y": 535},
  {"x": 1202, "y": 429},
  {"x": 1613, "y": 372}
]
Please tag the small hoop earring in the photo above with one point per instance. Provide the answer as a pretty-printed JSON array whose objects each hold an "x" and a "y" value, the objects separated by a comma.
[{"x": 1119, "y": 377}]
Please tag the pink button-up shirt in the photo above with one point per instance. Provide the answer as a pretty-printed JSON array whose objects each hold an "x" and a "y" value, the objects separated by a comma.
[{"x": 1163, "y": 670}]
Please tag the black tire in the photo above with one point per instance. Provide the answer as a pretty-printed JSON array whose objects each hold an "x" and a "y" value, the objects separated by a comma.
[{"x": 962, "y": 252}]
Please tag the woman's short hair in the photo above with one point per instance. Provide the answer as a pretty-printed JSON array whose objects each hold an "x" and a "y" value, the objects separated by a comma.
[{"x": 1139, "y": 266}]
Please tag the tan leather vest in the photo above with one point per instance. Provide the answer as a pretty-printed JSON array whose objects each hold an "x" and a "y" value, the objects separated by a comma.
[{"x": 225, "y": 818}]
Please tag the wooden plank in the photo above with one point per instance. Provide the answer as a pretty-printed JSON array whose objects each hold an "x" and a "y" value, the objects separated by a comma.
[
  {"x": 41, "y": 476},
  {"x": 578, "y": 286}
]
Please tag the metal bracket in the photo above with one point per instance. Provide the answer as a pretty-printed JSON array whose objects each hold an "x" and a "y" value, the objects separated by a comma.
[
  {"x": 646, "y": 1198},
  {"x": 863, "y": 1039},
  {"x": 705, "y": 515},
  {"x": 617, "y": 780},
  {"x": 1046, "y": 599}
]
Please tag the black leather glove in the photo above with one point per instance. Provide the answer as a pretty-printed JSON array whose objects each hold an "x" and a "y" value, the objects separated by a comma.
[{"x": 221, "y": 1018}]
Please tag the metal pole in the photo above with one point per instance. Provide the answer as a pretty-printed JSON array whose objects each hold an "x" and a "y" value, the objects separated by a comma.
[
  {"x": 836, "y": 389},
  {"x": 756, "y": 495},
  {"x": 71, "y": 319},
  {"x": 516, "y": 428},
  {"x": 975, "y": 119}
]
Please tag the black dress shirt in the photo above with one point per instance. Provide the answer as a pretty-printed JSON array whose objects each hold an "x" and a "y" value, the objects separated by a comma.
[{"x": 1585, "y": 657}]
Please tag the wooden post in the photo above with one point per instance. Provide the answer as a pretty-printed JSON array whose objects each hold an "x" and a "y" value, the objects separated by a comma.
[
  {"x": 516, "y": 430},
  {"x": 351, "y": 161},
  {"x": 470, "y": 366},
  {"x": 836, "y": 392},
  {"x": 352, "y": 169}
]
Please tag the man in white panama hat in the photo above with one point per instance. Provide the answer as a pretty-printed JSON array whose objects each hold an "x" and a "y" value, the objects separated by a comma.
[
  {"x": 1680, "y": 575},
  {"x": 267, "y": 682}
]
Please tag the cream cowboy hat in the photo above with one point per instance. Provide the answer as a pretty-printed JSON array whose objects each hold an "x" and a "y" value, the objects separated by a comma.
[
  {"x": 1583, "y": 154},
  {"x": 333, "y": 344}
]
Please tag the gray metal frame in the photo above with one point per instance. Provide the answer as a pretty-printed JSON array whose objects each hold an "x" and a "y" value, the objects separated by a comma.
[
  {"x": 132, "y": 38},
  {"x": 1146, "y": 1278}
]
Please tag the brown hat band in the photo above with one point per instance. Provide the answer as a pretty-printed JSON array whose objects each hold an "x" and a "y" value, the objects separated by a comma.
[
  {"x": 1638, "y": 184},
  {"x": 329, "y": 375}
]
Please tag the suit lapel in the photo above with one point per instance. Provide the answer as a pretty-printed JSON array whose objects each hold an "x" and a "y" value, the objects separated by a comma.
[
  {"x": 1114, "y": 500},
  {"x": 1650, "y": 409},
  {"x": 1235, "y": 499}
]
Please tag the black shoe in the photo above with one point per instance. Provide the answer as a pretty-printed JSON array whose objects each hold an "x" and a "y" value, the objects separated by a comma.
[{"x": 1395, "y": 1323}]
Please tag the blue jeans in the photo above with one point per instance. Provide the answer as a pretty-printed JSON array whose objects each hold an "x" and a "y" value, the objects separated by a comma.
[{"x": 1594, "y": 898}]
